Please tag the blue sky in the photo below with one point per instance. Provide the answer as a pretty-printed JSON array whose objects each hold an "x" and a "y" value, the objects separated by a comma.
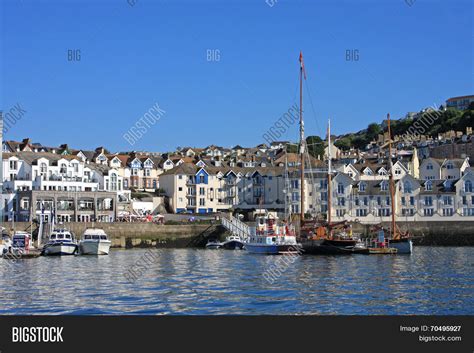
[{"x": 132, "y": 57}]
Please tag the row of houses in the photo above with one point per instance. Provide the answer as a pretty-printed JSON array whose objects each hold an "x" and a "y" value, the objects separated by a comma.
[{"x": 435, "y": 190}]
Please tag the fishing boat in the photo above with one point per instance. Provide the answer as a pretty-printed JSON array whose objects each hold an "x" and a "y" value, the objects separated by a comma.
[
  {"x": 381, "y": 245},
  {"x": 233, "y": 242},
  {"x": 213, "y": 244},
  {"x": 94, "y": 241},
  {"x": 61, "y": 242},
  {"x": 272, "y": 237}
]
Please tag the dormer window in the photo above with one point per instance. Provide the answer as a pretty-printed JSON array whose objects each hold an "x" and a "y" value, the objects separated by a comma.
[
  {"x": 449, "y": 166},
  {"x": 398, "y": 171},
  {"x": 429, "y": 186},
  {"x": 382, "y": 172},
  {"x": 429, "y": 166},
  {"x": 367, "y": 171}
]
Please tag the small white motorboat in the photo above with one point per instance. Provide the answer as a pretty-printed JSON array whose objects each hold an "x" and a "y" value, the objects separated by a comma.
[
  {"x": 61, "y": 242},
  {"x": 233, "y": 242},
  {"x": 213, "y": 244},
  {"x": 94, "y": 242}
]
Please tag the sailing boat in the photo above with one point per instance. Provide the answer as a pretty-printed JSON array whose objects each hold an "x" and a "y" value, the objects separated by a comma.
[
  {"x": 319, "y": 237},
  {"x": 397, "y": 239}
]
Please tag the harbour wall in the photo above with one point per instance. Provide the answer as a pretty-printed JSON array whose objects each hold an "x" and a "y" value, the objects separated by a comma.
[
  {"x": 129, "y": 235},
  {"x": 460, "y": 233}
]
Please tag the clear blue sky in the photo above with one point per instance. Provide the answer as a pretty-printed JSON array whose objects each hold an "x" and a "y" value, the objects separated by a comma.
[{"x": 410, "y": 57}]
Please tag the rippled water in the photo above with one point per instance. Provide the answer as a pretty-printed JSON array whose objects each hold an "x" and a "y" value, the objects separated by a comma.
[{"x": 432, "y": 280}]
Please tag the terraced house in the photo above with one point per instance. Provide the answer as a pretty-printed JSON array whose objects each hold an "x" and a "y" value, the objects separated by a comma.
[{"x": 203, "y": 189}]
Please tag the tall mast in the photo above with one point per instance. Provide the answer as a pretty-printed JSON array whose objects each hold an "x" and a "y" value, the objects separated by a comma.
[
  {"x": 302, "y": 142},
  {"x": 390, "y": 178},
  {"x": 329, "y": 176}
]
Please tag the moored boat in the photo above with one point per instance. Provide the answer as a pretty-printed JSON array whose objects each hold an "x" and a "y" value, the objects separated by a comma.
[
  {"x": 94, "y": 241},
  {"x": 61, "y": 242},
  {"x": 213, "y": 244},
  {"x": 272, "y": 237},
  {"x": 233, "y": 242}
]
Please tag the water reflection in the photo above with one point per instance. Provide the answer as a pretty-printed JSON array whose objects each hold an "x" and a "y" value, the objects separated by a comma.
[{"x": 189, "y": 281}]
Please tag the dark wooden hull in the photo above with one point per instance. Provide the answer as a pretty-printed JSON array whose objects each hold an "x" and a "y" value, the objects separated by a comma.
[{"x": 315, "y": 247}]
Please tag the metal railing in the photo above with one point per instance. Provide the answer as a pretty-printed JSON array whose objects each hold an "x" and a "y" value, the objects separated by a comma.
[{"x": 236, "y": 227}]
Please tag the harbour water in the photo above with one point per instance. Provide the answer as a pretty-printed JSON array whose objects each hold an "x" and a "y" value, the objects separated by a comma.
[{"x": 432, "y": 280}]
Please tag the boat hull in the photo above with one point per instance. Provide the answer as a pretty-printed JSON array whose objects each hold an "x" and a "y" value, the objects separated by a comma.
[
  {"x": 213, "y": 247},
  {"x": 233, "y": 245},
  {"x": 322, "y": 248},
  {"x": 272, "y": 249},
  {"x": 60, "y": 249},
  {"x": 403, "y": 246},
  {"x": 95, "y": 247}
]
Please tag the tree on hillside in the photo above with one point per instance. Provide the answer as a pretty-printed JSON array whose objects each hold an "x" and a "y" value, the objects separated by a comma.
[
  {"x": 373, "y": 130},
  {"x": 315, "y": 146}
]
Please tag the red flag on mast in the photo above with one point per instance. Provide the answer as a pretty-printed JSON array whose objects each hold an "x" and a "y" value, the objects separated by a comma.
[{"x": 302, "y": 64}]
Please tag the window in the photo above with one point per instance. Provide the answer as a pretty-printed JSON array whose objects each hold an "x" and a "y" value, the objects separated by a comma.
[
  {"x": 340, "y": 213},
  {"x": 356, "y": 201},
  {"x": 362, "y": 187},
  {"x": 467, "y": 186},
  {"x": 63, "y": 169},
  {"x": 403, "y": 201},
  {"x": 447, "y": 200},
  {"x": 340, "y": 188},
  {"x": 398, "y": 171},
  {"x": 464, "y": 200},
  {"x": 366, "y": 201},
  {"x": 428, "y": 201},
  {"x": 43, "y": 168},
  {"x": 361, "y": 212},
  {"x": 412, "y": 201},
  {"x": 113, "y": 182},
  {"x": 294, "y": 183},
  {"x": 201, "y": 179},
  {"x": 202, "y": 202},
  {"x": 201, "y": 191},
  {"x": 428, "y": 212},
  {"x": 449, "y": 166},
  {"x": 384, "y": 186},
  {"x": 447, "y": 212},
  {"x": 429, "y": 166},
  {"x": 147, "y": 172},
  {"x": 13, "y": 165},
  {"x": 429, "y": 186},
  {"x": 341, "y": 201},
  {"x": 407, "y": 187},
  {"x": 468, "y": 211}
]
